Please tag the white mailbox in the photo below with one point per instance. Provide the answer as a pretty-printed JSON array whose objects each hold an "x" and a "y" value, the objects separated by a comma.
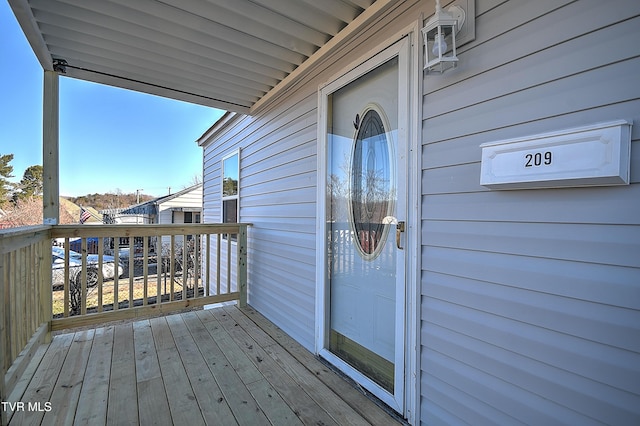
[{"x": 586, "y": 156}]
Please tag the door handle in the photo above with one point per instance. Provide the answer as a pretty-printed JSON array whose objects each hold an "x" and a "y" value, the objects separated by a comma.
[{"x": 399, "y": 230}]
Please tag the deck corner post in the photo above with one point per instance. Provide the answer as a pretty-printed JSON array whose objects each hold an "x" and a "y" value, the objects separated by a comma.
[
  {"x": 50, "y": 149},
  {"x": 242, "y": 265},
  {"x": 4, "y": 286}
]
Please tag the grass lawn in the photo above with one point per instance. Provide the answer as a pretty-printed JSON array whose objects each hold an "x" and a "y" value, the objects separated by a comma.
[{"x": 125, "y": 285}]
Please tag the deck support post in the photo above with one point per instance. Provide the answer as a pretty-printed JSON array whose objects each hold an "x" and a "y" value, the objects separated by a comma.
[
  {"x": 50, "y": 149},
  {"x": 242, "y": 265},
  {"x": 4, "y": 334}
]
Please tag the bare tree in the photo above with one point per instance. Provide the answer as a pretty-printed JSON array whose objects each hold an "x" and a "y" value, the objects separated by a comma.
[
  {"x": 195, "y": 180},
  {"x": 28, "y": 211},
  {"x": 24, "y": 212}
]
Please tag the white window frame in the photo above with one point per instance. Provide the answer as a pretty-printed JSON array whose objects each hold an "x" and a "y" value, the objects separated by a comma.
[{"x": 224, "y": 198}]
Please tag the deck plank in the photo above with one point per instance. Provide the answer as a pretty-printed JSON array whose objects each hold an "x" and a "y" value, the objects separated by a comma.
[
  {"x": 245, "y": 409},
  {"x": 242, "y": 365},
  {"x": 41, "y": 386},
  {"x": 223, "y": 366},
  {"x": 23, "y": 382},
  {"x": 213, "y": 406},
  {"x": 183, "y": 406},
  {"x": 92, "y": 406},
  {"x": 356, "y": 398},
  {"x": 332, "y": 403},
  {"x": 66, "y": 392},
  {"x": 271, "y": 403},
  {"x": 122, "y": 407},
  {"x": 153, "y": 405},
  {"x": 300, "y": 402}
]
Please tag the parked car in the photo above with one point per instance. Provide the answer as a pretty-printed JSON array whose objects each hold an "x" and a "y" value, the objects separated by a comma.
[{"x": 75, "y": 267}]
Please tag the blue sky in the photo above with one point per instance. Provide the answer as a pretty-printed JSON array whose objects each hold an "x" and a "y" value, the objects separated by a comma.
[{"x": 110, "y": 139}]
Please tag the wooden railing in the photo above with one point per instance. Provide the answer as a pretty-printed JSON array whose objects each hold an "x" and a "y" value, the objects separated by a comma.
[
  {"x": 155, "y": 269},
  {"x": 161, "y": 268},
  {"x": 25, "y": 300}
]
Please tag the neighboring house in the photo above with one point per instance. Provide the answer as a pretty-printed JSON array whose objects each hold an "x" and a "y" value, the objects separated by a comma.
[
  {"x": 502, "y": 306},
  {"x": 382, "y": 238},
  {"x": 184, "y": 206}
]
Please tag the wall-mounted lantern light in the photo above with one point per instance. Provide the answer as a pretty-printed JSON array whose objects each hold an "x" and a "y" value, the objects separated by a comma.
[{"x": 440, "y": 38}]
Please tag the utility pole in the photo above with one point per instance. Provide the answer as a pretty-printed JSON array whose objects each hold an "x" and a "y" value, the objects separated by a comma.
[{"x": 138, "y": 202}]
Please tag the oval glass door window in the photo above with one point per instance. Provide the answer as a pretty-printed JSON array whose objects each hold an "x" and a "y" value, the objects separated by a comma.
[{"x": 371, "y": 183}]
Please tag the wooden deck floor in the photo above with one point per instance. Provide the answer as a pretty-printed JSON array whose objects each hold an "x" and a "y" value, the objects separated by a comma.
[{"x": 223, "y": 366}]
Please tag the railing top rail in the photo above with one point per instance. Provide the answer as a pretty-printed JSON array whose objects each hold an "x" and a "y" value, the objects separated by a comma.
[
  {"x": 15, "y": 238},
  {"x": 144, "y": 230}
]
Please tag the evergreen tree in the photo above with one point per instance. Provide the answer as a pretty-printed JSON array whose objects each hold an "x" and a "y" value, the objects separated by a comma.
[
  {"x": 5, "y": 174},
  {"x": 31, "y": 183}
]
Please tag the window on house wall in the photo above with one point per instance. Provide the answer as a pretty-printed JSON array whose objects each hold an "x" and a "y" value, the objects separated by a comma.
[
  {"x": 191, "y": 217},
  {"x": 230, "y": 185}
]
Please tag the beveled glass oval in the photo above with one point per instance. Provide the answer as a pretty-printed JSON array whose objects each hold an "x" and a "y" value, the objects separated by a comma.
[{"x": 371, "y": 185}]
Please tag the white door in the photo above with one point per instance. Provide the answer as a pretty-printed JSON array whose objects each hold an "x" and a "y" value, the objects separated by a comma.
[{"x": 366, "y": 163}]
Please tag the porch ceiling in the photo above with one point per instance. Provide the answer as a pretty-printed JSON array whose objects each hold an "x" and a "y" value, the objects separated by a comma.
[{"x": 226, "y": 54}]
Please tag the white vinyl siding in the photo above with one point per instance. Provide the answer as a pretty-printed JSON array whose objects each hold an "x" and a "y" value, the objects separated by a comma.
[
  {"x": 531, "y": 299},
  {"x": 172, "y": 210},
  {"x": 278, "y": 190},
  {"x": 189, "y": 201},
  {"x": 277, "y": 187}
]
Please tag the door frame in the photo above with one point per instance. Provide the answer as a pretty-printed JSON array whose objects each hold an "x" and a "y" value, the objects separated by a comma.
[{"x": 407, "y": 44}]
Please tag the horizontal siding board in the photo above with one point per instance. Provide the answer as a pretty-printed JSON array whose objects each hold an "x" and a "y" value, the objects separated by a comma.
[
  {"x": 556, "y": 384},
  {"x": 612, "y": 44},
  {"x": 277, "y": 224},
  {"x": 285, "y": 274},
  {"x": 452, "y": 179},
  {"x": 613, "y": 287},
  {"x": 597, "y": 205},
  {"x": 302, "y": 237},
  {"x": 287, "y": 245},
  {"x": 617, "y": 245},
  {"x": 555, "y": 98},
  {"x": 512, "y": 401},
  {"x": 585, "y": 360},
  {"x": 449, "y": 405},
  {"x": 301, "y": 145},
  {"x": 272, "y": 144},
  {"x": 485, "y": 6},
  {"x": 259, "y": 132},
  {"x": 520, "y": 28},
  {"x": 261, "y": 213},
  {"x": 508, "y": 399},
  {"x": 576, "y": 317},
  {"x": 296, "y": 174},
  {"x": 466, "y": 149},
  {"x": 589, "y": 370},
  {"x": 281, "y": 198},
  {"x": 269, "y": 297}
]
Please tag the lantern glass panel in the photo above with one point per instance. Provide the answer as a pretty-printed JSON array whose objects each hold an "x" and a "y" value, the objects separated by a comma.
[{"x": 440, "y": 47}]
